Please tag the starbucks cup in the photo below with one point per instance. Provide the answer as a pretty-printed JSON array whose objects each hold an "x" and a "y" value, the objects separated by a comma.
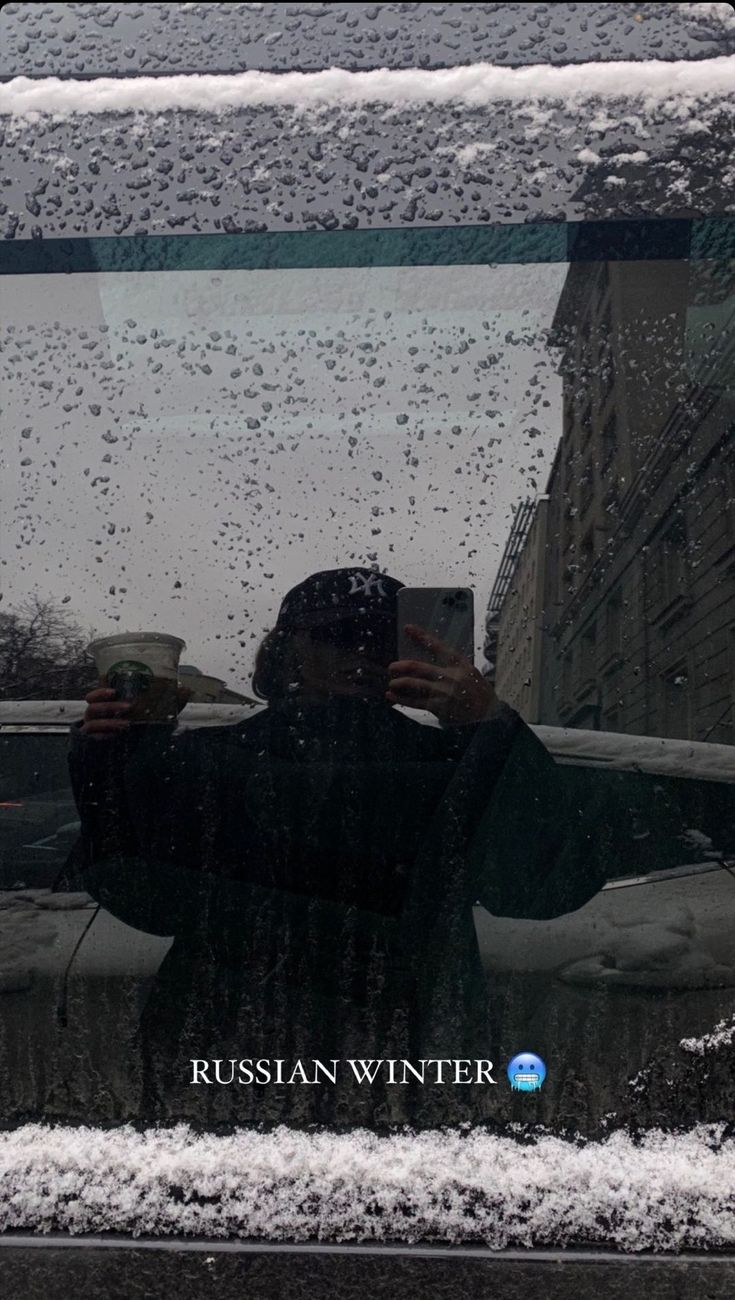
[{"x": 142, "y": 667}]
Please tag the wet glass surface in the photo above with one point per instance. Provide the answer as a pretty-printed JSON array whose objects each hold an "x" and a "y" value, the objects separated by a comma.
[
  {"x": 87, "y": 40},
  {"x": 519, "y": 841},
  {"x": 83, "y": 162}
]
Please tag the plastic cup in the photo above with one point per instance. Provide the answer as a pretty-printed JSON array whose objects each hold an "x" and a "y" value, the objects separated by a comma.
[{"x": 142, "y": 667}]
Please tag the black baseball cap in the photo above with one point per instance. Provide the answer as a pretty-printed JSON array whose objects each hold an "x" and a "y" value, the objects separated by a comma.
[{"x": 356, "y": 594}]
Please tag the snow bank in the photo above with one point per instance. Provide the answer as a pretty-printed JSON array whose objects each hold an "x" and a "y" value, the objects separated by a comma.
[
  {"x": 474, "y": 85},
  {"x": 656, "y": 943},
  {"x": 661, "y": 1191},
  {"x": 24, "y": 932}
]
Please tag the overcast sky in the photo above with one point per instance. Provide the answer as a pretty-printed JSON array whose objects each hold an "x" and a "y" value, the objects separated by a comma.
[{"x": 191, "y": 444}]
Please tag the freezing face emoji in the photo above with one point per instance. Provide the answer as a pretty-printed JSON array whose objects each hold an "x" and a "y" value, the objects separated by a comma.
[{"x": 526, "y": 1072}]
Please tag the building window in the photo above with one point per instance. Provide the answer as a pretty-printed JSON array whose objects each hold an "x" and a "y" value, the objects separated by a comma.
[
  {"x": 674, "y": 559},
  {"x": 588, "y": 654},
  {"x": 569, "y": 527},
  {"x": 585, "y": 423},
  {"x": 609, "y": 440},
  {"x": 587, "y": 547},
  {"x": 569, "y": 411},
  {"x": 606, "y": 373},
  {"x": 730, "y": 715},
  {"x": 728, "y": 488},
  {"x": 586, "y": 488},
  {"x": 671, "y": 571},
  {"x": 676, "y": 701},
  {"x": 567, "y": 667},
  {"x": 614, "y": 623}
]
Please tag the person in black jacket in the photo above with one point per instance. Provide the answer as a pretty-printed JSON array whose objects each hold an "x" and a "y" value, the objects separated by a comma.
[{"x": 317, "y": 864}]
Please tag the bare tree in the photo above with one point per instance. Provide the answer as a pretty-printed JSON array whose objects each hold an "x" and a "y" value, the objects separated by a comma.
[{"x": 42, "y": 653}]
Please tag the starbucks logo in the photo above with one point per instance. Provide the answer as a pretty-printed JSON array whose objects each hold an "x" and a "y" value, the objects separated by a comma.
[{"x": 129, "y": 678}]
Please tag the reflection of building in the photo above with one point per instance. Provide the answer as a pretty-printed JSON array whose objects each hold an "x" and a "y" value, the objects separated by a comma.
[
  {"x": 208, "y": 690},
  {"x": 513, "y": 548},
  {"x": 515, "y": 614},
  {"x": 639, "y": 598}
]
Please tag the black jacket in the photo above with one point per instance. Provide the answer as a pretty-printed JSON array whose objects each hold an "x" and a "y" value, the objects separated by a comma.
[{"x": 320, "y": 862}]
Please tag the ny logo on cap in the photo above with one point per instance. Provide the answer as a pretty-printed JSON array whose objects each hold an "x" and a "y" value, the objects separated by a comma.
[{"x": 363, "y": 586}]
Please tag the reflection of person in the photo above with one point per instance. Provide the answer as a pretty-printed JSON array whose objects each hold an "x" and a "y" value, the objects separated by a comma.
[{"x": 318, "y": 863}]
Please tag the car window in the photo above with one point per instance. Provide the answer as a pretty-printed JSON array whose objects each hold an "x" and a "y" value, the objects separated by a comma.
[
  {"x": 39, "y": 821},
  {"x": 422, "y": 385},
  {"x": 526, "y": 430}
]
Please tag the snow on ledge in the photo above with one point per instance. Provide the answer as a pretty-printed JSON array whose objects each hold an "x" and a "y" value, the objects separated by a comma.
[
  {"x": 723, "y": 1035},
  {"x": 474, "y": 85},
  {"x": 663, "y": 1192}
]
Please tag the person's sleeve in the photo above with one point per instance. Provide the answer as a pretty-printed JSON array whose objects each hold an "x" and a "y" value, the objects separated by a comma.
[
  {"x": 122, "y": 862},
  {"x": 538, "y": 849},
  {"x": 116, "y": 859},
  {"x": 97, "y": 770}
]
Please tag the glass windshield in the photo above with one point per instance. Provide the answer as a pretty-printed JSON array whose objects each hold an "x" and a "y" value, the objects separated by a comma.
[{"x": 384, "y": 613}]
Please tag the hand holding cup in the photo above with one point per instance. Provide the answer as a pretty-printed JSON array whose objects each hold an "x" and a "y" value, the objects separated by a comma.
[
  {"x": 450, "y": 686},
  {"x": 106, "y": 715},
  {"x": 138, "y": 682}
]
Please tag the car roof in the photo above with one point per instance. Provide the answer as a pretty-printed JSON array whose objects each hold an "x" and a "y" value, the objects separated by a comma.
[
  {"x": 602, "y": 749},
  {"x": 425, "y": 117},
  {"x": 162, "y": 38}
]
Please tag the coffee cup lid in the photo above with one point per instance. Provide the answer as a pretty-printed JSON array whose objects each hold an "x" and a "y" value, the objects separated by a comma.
[{"x": 137, "y": 638}]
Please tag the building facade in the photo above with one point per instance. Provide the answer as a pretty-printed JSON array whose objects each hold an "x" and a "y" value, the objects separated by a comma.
[
  {"x": 520, "y": 615},
  {"x": 635, "y": 629}
]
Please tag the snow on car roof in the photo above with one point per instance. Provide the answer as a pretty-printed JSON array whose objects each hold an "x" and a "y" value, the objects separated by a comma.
[
  {"x": 611, "y": 750},
  {"x": 62, "y": 713},
  {"x": 619, "y": 752},
  {"x": 474, "y": 85},
  {"x": 336, "y": 149}
]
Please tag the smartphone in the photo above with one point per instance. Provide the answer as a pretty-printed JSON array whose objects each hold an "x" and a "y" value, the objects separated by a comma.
[{"x": 447, "y": 612}]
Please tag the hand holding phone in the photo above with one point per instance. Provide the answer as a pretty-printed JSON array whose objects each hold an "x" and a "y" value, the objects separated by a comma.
[{"x": 449, "y": 686}]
